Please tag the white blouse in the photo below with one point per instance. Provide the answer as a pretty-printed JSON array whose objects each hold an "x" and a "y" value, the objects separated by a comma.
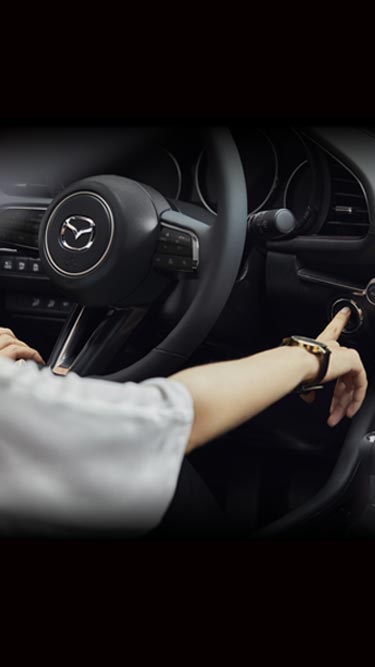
[{"x": 89, "y": 453}]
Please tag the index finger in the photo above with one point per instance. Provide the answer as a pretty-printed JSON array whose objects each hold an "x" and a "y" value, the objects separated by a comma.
[{"x": 335, "y": 327}]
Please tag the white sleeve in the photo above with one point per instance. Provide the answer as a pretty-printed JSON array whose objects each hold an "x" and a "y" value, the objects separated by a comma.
[{"x": 84, "y": 452}]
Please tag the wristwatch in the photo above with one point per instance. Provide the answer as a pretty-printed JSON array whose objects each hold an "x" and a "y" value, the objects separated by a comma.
[{"x": 314, "y": 347}]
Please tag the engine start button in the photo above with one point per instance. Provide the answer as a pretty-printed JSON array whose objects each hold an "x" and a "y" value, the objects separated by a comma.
[{"x": 356, "y": 318}]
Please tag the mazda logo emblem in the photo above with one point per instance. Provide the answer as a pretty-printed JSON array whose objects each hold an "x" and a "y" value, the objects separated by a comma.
[{"x": 77, "y": 233}]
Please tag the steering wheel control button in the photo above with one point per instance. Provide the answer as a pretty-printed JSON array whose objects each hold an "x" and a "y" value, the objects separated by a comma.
[
  {"x": 173, "y": 263},
  {"x": 174, "y": 249},
  {"x": 165, "y": 262},
  {"x": 184, "y": 240},
  {"x": 356, "y": 318},
  {"x": 184, "y": 264},
  {"x": 177, "y": 250},
  {"x": 175, "y": 237},
  {"x": 76, "y": 243}
]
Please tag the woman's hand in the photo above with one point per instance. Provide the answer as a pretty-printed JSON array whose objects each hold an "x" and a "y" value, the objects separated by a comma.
[
  {"x": 15, "y": 349},
  {"x": 226, "y": 394},
  {"x": 346, "y": 367}
]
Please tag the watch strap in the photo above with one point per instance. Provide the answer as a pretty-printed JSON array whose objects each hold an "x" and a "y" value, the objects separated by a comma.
[
  {"x": 324, "y": 365},
  {"x": 305, "y": 388}
]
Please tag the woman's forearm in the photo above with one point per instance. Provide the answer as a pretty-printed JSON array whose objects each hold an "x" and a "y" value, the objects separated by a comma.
[{"x": 226, "y": 394}]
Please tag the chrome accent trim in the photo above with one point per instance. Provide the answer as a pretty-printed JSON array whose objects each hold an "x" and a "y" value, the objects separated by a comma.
[
  {"x": 292, "y": 175},
  {"x": 323, "y": 280},
  {"x": 198, "y": 187},
  {"x": 343, "y": 209},
  {"x": 273, "y": 185},
  {"x": 275, "y": 176},
  {"x": 59, "y": 368},
  {"x": 23, "y": 208},
  {"x": 194, "y": 245},
  {"x": 67, "y": 224},
  {"x": 112, "y": 226},
  {"x": 179, "y": 172},
  {"x": 135, "y": 316}
]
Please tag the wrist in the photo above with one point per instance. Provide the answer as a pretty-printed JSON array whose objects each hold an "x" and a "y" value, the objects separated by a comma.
[
  {"x": 310, "y": 366},
  {"x": 314, "y": 368}
]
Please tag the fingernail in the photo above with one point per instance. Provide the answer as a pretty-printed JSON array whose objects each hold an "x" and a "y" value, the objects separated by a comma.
[{"x": 345, "y": 310}]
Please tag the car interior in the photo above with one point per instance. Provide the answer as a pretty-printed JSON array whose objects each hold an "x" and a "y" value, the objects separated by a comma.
[{"x": 211, "y": 243}]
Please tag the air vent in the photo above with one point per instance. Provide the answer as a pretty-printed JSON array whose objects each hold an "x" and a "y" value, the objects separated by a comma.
[
  {"x": 348, "y": 214},
  {"x": 20, "y": 227}
]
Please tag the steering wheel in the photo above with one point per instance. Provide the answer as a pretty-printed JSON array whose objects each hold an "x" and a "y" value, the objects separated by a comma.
[{"x": 118, "y": 248}]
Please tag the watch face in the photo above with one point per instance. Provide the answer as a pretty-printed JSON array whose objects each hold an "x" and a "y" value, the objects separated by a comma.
[
  {"x": 304, "y": 339},
  {"x": 310, "y": 341}
]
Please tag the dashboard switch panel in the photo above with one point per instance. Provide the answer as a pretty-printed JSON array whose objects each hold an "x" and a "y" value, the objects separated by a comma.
[
  {"x": 16, "y": 265},
  {"x": 37, "y": 304}
]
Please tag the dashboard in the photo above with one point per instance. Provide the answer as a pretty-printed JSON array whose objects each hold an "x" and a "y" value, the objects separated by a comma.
[{"x": 284, "y": 167}]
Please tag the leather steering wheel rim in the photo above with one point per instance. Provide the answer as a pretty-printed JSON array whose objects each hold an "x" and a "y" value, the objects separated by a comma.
[{"x": 226, "y": 251}]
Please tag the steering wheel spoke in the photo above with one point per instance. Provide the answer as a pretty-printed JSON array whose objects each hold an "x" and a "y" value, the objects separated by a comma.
[{"x": 92, "y": 337}]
